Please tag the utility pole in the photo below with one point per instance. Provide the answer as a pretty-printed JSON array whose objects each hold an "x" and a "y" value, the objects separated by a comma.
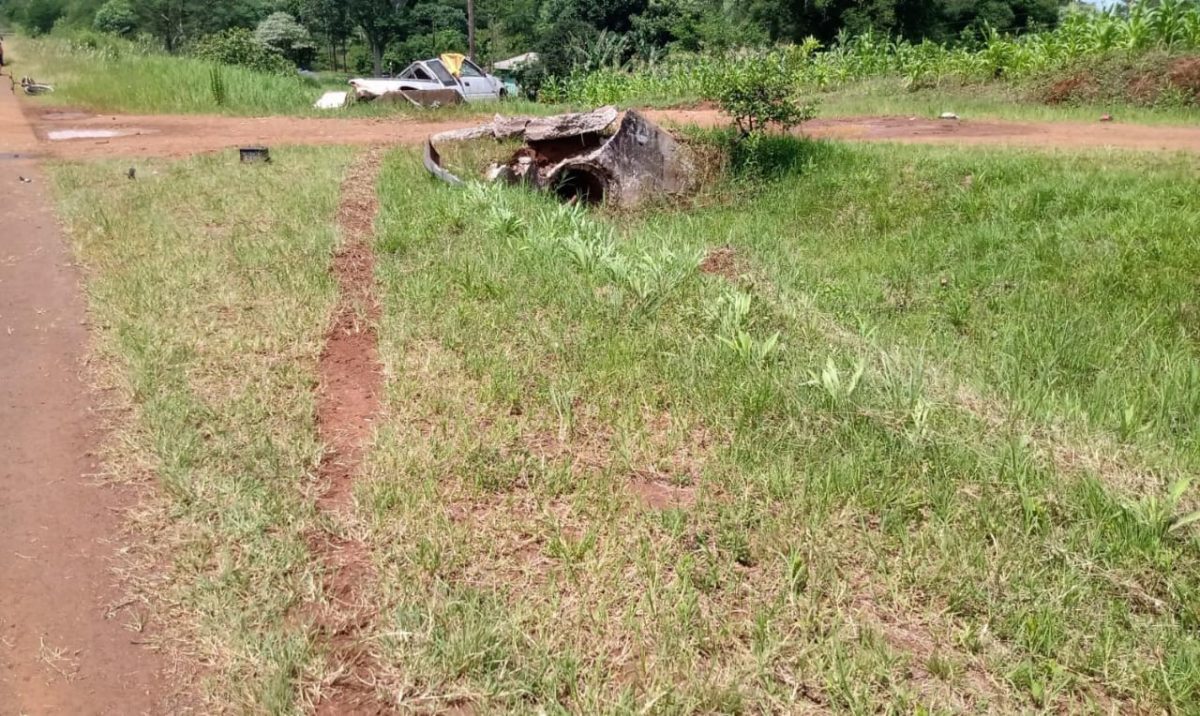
[{"x": 471, "y": 29}]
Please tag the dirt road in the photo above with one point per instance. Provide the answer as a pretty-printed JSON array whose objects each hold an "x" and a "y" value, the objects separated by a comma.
[
  {"x": 64, "y": 644},
  {"x": 172, "y": 135}
]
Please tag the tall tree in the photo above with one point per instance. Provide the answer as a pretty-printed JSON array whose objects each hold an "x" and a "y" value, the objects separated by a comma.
[
  {"x": 171, "y": 21},
  {"x": 379, "y": 21},
  {"x": 471, "y": 49},
  {"x": 328, "y": 19}
]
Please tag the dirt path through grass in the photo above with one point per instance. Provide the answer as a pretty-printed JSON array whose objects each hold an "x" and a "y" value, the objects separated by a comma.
[
  {"x": 177, "y": 135},
  {"x": 69, "y": 641},
  {"x": 348, "y": 400}
]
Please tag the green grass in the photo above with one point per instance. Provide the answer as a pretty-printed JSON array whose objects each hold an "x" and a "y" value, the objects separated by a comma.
[
  {"x": 123, "y": 77},
  {"x": 991, "y": 100},
  {"x": 858, "y": 503},
  {"x": 118, "y": 76},
  {"x": 888, "y": 96},
  {"x": 209, "y": 289},
  {"x": 913, "y": 453}
]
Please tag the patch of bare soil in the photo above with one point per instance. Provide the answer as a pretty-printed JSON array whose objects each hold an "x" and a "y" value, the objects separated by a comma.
[
  {"x": 658, "y": 495},
  {"x": 1073, "y": 88},
  {"x": 348, "y": 399},
  {"x": 1151, "y": 80},
  {"x": 721, "y": 262},
  {"x": 1184, "y": 75},
  {"x": 350, "y": 374}
]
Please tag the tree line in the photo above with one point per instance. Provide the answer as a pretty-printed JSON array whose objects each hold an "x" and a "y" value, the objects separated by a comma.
[{"x": 380, "y": 35}]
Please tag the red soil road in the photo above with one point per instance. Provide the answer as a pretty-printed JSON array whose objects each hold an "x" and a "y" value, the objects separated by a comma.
[
  {"x": 177, "y": 135},
  {"x": 62, "y": 649}
]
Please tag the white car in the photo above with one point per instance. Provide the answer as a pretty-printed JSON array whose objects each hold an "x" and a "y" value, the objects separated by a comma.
[{"x": 472, "y": 83}]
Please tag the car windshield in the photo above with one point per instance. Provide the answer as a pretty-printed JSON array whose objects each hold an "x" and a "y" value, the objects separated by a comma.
[
  {"x": 415, "y": 72},
  {"x": 442, "y": 73},
  {"x": 470, "y": 70}
]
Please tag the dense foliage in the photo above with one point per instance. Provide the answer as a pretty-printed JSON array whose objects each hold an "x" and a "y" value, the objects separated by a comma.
[
  {"x": 595, "y": 51},
  {"x": 364, "y": 32},
  {"x": 1173, "y": 26},
  {"x": 238, "y": 46},
  {"x": 758, "y": 95}
]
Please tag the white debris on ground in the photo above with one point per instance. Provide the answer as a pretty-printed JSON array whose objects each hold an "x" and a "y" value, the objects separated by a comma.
[{"x": 332, "y": 100}]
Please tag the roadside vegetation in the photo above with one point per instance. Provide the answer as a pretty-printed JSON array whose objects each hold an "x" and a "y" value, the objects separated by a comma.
[
  {"x": 860, "y": 428},
  {"x": 107, "y": 74},
  {"x": 1145, "y": 57},
  {"x": 1034, "y": 59},
  {"x": 209, "y": 292},
  {"x": 855, "y": 428}
]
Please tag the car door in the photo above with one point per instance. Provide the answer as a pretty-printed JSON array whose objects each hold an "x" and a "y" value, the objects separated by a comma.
[
  {"x": 448, "y": 80},
  {"x": 476, "y": 84}
]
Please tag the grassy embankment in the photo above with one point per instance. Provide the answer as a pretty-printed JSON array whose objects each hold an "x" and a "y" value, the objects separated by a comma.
[
  {"x": 119, "y": 76},
  {"x": 915, "y": 446},
  {"x": 889, "y": 97}
]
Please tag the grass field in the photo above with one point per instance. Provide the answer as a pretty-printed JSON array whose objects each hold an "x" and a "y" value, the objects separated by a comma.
[
  {"x": 121, "y": 76},
  {"x": 888, "y": 96},
  {"x": 880, "y": 428},
  {"x": 859, "y": 474}
]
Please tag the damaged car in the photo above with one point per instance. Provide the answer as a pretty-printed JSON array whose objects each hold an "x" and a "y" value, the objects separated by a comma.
[{"x": 448, "y": 79}]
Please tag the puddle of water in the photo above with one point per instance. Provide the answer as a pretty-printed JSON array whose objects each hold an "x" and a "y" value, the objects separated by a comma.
[{"x": 59, "y": 135}]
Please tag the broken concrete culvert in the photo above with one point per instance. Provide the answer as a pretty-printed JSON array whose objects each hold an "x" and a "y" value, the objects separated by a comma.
[{"x": 576, "y": 157}]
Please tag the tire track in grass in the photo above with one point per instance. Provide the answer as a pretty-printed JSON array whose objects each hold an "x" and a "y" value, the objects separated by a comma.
[{"x": 348, "y": 399}]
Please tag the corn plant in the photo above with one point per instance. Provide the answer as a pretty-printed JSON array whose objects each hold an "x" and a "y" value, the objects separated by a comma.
[
  {"x": 731, "y": 314},
  {"x": 1161, "y": 514},
  {"x": 839, "y": 387}
]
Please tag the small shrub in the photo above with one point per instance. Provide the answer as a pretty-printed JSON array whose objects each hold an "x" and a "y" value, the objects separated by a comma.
[
  {"x": 116, "y": 17},
  {"x": 237, "y": 46},
  {"x": 758, "y": 94}
]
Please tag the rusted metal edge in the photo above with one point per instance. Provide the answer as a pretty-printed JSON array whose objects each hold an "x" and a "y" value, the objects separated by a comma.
[{"x": 433, "y": 164}]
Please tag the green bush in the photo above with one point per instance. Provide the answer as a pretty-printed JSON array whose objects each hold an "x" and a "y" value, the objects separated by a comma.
[
  {"x": 116, "y": 17},
  {"x": 237, "y": 46},
  {"x": 280, "y": 32},
  {"x": 759, "y": 93},
  {"x": 39, "y": 16}
]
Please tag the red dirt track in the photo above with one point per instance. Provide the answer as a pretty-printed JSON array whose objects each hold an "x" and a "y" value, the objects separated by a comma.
[
  {"x": 177, "y": 135},
  {"x": 65, "y": 647}
]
